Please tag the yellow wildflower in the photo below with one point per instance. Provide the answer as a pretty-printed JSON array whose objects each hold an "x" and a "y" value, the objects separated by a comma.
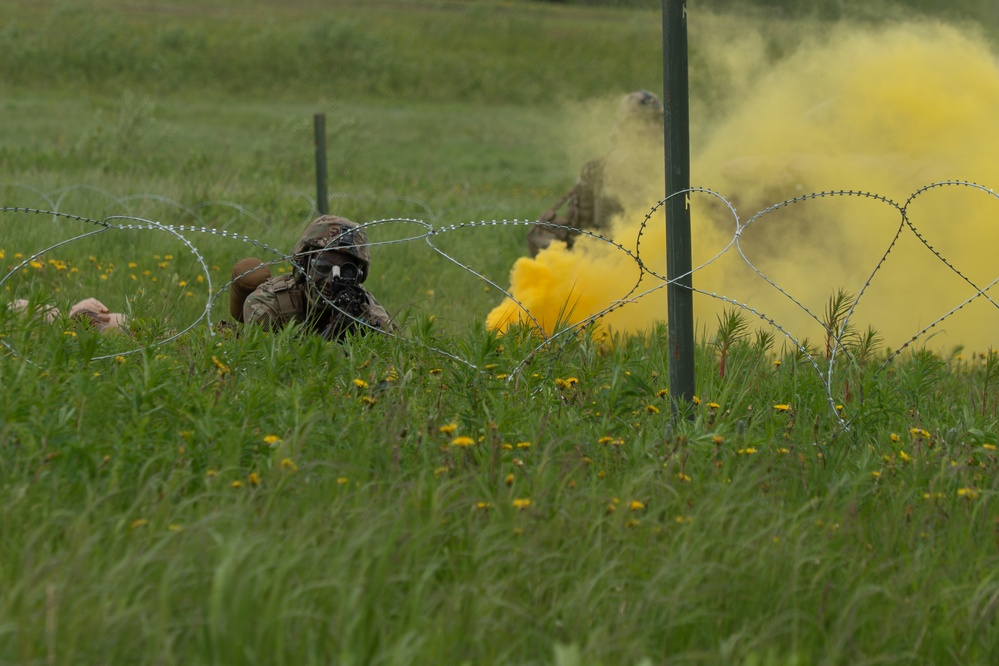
[
  {"x": 782, "y": 407},
  {"x": 237, "y": 484},
  {"x": 222, "y": 367},
  {"x": 289, "y": 464},
  {"x": 360, "y": 383},
  {"x": 448, "y": 429},
  {"x": 254, "y": 479},
  {"x": 462, "y": 441},
  {"x": 521, "y": 503},
  {"x": 342, "y": 480},
  {"x": 141, "y": 522},
  {"x": 523, "y": 445},
  {"x": 510, "y": 478},
  {"x": 635, "y": 505},
  {"x": 272, "y": 440},
  {"x": 651, "y": 409}
]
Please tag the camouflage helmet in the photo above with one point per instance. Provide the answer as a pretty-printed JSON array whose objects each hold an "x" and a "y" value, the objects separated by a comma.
[
  {"x": 640, "y": 105},
  {"x": 339, "y": 234}
]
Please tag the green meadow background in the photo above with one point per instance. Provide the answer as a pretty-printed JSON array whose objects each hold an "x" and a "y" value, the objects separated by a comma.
[{"x": 174, "y": 496}]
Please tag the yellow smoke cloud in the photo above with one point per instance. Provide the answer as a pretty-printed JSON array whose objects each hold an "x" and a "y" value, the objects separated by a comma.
[{"x": 880, "y": 112}]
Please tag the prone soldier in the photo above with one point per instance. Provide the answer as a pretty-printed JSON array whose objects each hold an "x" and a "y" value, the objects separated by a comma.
[{"x": 323, "y": 292}]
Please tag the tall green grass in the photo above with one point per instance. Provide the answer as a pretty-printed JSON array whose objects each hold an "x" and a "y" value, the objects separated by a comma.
[{"x": 452, "y": 496}]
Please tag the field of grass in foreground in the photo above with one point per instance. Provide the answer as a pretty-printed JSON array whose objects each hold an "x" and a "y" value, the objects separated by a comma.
[
  {"x": 278, "y": 500},
  {"x": 275, "y": 499}
]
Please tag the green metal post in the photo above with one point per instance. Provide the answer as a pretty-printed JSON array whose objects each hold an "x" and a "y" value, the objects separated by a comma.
[
  {"x": 322, "y": 200},
  {"x": 680, "y": 308}
]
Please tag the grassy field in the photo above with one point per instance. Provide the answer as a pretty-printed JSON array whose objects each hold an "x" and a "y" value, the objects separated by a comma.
[{"x": 450, "y": 496}]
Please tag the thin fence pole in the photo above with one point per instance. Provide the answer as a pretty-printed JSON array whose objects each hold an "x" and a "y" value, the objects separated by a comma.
[
  {"x": 322, "y": 200},
  {"x": 676, "y": 129}
]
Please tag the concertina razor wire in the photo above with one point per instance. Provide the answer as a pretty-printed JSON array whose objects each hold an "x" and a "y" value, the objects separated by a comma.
[{"x": 648, "y": 280}]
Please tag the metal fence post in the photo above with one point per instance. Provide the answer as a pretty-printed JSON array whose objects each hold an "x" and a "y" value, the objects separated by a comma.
[
  {"x": 322, "y": 200},
  {"x": 676, "y": 129}
]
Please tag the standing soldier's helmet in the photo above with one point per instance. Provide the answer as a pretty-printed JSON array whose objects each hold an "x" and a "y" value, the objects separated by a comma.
[
  {"x": 338, "y": 234},
  {"x": 641, "y": 105}
]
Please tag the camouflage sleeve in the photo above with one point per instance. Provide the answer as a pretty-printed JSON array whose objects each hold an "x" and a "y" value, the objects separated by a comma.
[
  {"x": 261, "y": 308},
  {"x": 377, "y": 316}
]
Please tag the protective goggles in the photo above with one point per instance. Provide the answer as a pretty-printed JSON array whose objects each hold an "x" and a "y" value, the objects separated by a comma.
[{"x": 345, "y": 272}]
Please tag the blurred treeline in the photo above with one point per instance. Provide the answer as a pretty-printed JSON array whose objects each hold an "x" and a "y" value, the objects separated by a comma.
[{"x": 975, "y": 10}]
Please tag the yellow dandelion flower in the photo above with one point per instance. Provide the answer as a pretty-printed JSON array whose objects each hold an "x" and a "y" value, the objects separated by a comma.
[
  {"x": 783, "y": 450},
  {"x": 777, "y": 363},
  {"x": 237, "y": 484},
  {"x": 683, "y": 477},
  {"x": 484, "y": 506},
  {"x": 222, "y": 367},
  {"x": 502, "y": 375},
  {"x": 365, "y": 400},
  {"x": 436, "y": 371},
  {"x": 506, "y": 446},
  {"x": 254, "y": 479},
  {"x": 782, "y": 407},
  {"x": 748, "y": 451},
  {"x": 662, "y": 393},
  {"x": 634, "y": 522},
  {"x": 523, "y": 445},
  {"x": 967, "y": 493},
  {"x": 491, "y": 366},
  {"x": 696, "y": 400},
  {"x": 919, "y": 433},
  {"x": 718, "y": 439},
  {"x": 635, "y": 505},
  {"x": 876, "y": 475},
  {"x": 989, "y": 447},
  {"x": 440, "y": 471},
  {"x": 713, "y": 405},
  {"x": 606, "y": 439},
  {"x": 894, "y": 438},
  {"x": 680, "y": 520},
  {"x": 521, "y": 503},
  {"x": 342, "y": 481},
  {"x": 651, "y": 409},
  {"x": 448, "y": 429},
  {"x": 272, "y": 440},
  {"x": 211, "y": 473},
  {"x": 510, "y": 478},
  {"x": 182, "y": 283},
  {"x": 289, "y": 464},
  {"x": 462, "y": 441},
  {"x": 360, "y": 383},
  {"x": 904, "y": 456}
]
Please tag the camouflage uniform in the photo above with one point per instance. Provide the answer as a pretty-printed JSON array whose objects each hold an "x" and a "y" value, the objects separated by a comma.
[
  {"x": 588, "y": 205},
  {"x": 296, "y": 296}
]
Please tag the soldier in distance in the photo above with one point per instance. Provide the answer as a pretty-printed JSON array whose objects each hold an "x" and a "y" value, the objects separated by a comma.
[
  {"x": 596, "y": 196},
  {"x": 323, "y": 292}
]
